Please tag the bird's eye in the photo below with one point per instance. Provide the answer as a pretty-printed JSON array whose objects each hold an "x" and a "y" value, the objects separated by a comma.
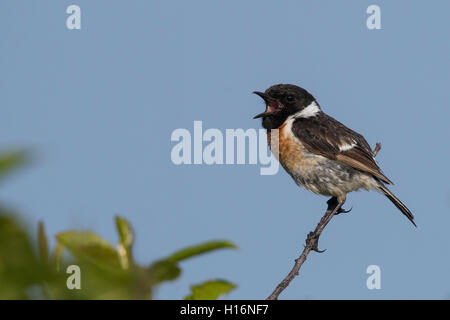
[{"x": 290, "y": 98}]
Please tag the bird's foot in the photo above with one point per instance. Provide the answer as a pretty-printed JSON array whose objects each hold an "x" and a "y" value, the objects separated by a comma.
[
  {"x": 342, "y": 210},
  {"x": 332, "y": 204},
  {"x": 313, "y": 241}
]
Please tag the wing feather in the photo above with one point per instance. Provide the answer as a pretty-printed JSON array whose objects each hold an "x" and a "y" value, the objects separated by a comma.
[{"x": 328, "y": 137}]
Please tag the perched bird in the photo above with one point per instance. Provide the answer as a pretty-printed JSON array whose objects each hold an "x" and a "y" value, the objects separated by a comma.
[{"x": 320, "y": 153}]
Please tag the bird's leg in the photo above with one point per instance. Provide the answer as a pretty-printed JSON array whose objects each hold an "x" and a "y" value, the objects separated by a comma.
[
  {"x": 334, "y": 206},
  {"x": 332, "y": 203}
]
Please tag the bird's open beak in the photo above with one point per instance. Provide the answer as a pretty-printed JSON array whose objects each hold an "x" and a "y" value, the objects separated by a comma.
[{"x": 272, "y": 105}]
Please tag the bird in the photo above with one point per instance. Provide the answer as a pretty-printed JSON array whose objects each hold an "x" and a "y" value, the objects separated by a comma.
[{"x": 320, "y": 153}]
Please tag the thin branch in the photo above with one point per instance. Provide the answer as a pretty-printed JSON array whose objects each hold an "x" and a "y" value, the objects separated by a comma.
[
  {"x": 334, "y": 207},
  {"x": 377, "y": 149}
]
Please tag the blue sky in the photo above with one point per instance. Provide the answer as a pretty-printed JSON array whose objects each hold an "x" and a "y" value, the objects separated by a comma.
[{"x": 98, "y": 106}]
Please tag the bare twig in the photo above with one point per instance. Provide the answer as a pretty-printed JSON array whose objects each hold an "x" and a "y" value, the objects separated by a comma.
[
  {"x": 334, "y": 207},
  {"x": 377, "y": 149}
]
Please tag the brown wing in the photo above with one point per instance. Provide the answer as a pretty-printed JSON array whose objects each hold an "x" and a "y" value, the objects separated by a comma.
[{"x": 328, "y": 137}]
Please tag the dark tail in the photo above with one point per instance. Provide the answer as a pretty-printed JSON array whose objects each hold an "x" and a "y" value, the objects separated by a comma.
[{"x": 398, "y": 203}]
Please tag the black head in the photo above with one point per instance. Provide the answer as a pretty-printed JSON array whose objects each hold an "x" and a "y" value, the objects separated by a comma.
[{"x": 282, "y": 100}]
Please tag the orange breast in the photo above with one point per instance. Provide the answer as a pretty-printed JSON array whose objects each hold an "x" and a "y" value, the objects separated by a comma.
[{"x": 291, "y": 153}]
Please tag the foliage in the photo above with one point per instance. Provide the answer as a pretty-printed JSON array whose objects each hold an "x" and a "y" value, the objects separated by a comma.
[
  {"x": 210, "y": 290},
  {"x": 30, "y": 269}
]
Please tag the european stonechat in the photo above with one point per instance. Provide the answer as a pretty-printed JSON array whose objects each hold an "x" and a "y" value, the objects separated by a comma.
[{"x": 320, "y": 153}]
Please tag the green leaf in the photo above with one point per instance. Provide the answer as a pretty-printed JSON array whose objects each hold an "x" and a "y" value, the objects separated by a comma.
[
  {"x": 58, "y": 256},
  {"x": 43, "y": 256},
  {"x": 125, "y": 231},
  {"x": 167, "y": 269},
  {"x": 19, "y": 267},
  {"x": 200, "y": 249},
  {"x": 125, "y": 242},
  {"x": 42, "y": 244},
  {"x": 11, "y": 160},
  {"x": 91, "y": 247},
  {"x": 163, "y": 270},
  {"x": 210, "y": 290}
]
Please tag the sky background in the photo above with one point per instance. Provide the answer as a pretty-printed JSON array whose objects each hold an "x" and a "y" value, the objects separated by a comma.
[{"x": 98, "y": 106}]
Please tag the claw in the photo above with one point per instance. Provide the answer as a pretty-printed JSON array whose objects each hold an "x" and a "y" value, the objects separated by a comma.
[
  {"x": 315, "y": 241},
  {"x": 317, "y": 250},
  {"x": 342, "y": 210}
]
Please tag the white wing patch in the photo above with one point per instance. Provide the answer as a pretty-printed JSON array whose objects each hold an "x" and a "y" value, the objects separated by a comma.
[{"x": 346, "y": 147}]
